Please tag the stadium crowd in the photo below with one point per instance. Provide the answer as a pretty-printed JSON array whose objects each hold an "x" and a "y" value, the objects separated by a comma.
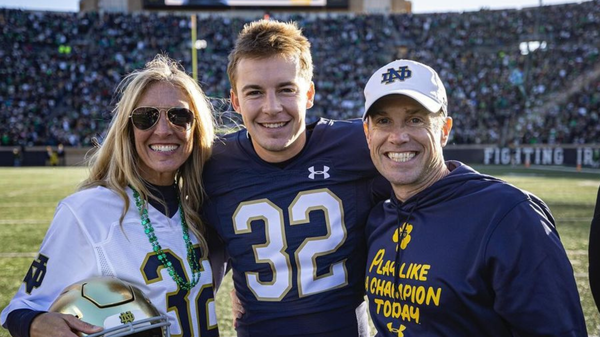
[{"x": 58, "y": 69}]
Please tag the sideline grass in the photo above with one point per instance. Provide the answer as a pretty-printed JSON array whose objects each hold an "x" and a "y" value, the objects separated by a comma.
[{"x": 30, "y": 196}]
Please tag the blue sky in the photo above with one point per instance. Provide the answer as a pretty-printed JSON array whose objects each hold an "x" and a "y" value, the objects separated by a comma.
[{"x": 419, "y": 6}]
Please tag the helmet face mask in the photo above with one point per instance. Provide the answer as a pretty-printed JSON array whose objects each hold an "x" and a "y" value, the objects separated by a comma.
[
  {"x": 147, "y": 327},
  {"x": 120, "y": 307}
]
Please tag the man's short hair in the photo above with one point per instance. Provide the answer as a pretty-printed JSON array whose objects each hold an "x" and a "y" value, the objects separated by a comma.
[{"x": 266, "y": 38}]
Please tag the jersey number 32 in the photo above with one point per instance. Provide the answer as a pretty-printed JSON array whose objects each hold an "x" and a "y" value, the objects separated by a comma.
[{"x": 273, "y": 251}]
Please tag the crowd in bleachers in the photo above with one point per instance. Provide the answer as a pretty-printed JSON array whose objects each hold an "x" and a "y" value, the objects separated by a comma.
[{"x": 58, "y": 71}]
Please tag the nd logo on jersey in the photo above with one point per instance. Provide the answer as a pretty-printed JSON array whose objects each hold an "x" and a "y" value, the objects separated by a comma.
[
  {"x": 392, "y": 75},
  {"x": 35, "y": 274}
]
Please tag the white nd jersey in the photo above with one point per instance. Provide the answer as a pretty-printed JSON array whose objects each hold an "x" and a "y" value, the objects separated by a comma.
[{"x": 86, "y": 239}]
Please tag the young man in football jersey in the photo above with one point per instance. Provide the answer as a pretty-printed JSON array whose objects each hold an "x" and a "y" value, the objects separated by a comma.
[
  {"x": 290, "y": 200},
  {"x": 454, "y": 252}
]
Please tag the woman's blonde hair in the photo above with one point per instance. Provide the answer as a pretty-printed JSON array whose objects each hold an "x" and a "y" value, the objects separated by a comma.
[{"x": 115, "y": 164}]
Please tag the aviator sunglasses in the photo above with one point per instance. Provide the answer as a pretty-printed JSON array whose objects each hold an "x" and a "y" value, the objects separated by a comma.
[{"x": 146, "y": 117}]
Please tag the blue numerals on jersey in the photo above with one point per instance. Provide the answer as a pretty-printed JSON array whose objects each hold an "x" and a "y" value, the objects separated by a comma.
[{"x": 179, "y": 301}]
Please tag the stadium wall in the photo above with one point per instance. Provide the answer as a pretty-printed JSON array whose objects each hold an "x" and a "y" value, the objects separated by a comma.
[{"x": 587, "y": 156}]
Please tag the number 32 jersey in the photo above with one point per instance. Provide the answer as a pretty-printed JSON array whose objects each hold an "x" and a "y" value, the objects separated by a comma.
[{"x": 295, "y": 234}]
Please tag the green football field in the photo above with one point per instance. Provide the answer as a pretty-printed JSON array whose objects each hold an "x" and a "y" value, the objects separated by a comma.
[{"x": 30, "y": 195}]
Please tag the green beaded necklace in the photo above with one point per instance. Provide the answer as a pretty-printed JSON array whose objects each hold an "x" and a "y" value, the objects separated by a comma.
[{"x": 162, "y": 257}]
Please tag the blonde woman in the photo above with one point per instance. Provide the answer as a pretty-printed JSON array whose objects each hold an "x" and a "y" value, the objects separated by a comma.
[{"x": 136, "y": 216}]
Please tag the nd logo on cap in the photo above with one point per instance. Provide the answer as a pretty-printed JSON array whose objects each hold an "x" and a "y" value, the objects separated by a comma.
[
  {"x": 425, "y": 86},
  {"x": 392, "y": 75}
]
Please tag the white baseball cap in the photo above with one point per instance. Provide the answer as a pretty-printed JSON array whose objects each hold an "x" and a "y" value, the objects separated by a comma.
[{"x": 405, "y": 77}]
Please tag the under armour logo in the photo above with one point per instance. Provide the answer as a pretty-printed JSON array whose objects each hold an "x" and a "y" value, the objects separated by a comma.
[
  {"x": 35, "y": 274},
  {"x": 392, "y": 75},
  {"x": 126, "y": 317},
  {"x": 399, "y": 331},
  {"x": 313, "y": 172}
]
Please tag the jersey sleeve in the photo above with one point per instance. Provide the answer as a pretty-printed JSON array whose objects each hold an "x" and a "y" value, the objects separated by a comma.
[
  {"x": 18, "y": 322},
  {"x": 594, "y": 253},
  {"x": 65, "y": 257},
  {"x": 531, "y": 275},
  {"x": 217, "y": 255}
]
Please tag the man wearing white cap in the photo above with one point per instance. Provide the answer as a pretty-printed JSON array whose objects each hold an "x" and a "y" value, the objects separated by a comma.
[{"x": 454, "y": 252}]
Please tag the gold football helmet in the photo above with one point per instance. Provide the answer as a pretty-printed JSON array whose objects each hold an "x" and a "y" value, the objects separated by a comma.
[{"x": 121, "y": 308}]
